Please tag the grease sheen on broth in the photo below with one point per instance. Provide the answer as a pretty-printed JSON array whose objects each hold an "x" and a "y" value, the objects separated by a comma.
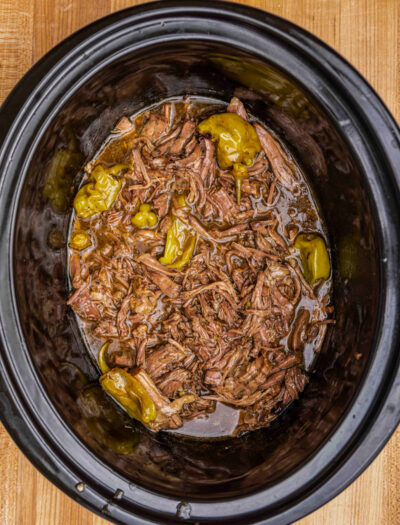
[{"x": 237, "y": 352}]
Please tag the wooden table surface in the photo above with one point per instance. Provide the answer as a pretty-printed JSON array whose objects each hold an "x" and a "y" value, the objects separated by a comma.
[{"x": 366, "y": 32}]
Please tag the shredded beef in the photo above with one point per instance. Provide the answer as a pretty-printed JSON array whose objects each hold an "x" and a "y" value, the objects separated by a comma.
[{"x": 229, "y": 326}]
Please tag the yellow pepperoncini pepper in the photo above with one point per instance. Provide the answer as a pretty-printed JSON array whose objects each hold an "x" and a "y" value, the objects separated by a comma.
[
  {"x": 98, "y": 196},
  {"x": 130, "y": 394},
  {"x": 238, "y": 144},
  {"x": 144, "y": 218},
  {"x": 180, "y": 243},
  {"x": 79, "y": 240},
  {"x": 314, "y": 256},
  {"x": 237, "y": 139},
  {"x": 103, "y": 358}
]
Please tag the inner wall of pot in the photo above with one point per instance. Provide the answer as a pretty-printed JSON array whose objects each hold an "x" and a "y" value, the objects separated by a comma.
[{"x": 163, "y": 462}]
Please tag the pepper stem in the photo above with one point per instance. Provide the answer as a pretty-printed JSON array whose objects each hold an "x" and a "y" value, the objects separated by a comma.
[{"x": 239, "y": 173}]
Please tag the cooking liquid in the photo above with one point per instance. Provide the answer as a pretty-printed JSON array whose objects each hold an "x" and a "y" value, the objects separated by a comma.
[{"x": 299, "y": 208}]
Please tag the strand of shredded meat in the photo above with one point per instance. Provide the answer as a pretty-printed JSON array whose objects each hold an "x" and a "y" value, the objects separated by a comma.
[{"x": 231, "y": 325}]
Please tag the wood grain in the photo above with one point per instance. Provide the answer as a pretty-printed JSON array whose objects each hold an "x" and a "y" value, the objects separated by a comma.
[{"x": 366, "y": 32}]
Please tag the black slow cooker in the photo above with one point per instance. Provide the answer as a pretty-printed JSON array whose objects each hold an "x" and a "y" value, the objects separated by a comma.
[{"x": 349, "y": 146}]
